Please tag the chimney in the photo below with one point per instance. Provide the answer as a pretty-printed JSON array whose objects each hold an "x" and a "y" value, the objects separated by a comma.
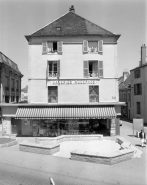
[
  {"x": 125, "y": 75},
  {"x": 143, "y": 54},
  {"x": 71, "y": 9}
]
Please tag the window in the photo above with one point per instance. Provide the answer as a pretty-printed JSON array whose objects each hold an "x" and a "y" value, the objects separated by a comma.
[
  {"x": 12, "y": 84},
  {"x": 52, "y": 47},
  {"x": 17, "y": 85},
  {"x": 7, "y": 83},
  {"x": 93, "y": 69},
  {"x": 137, "y": 89},
  {"x": 53, "y": 69},
  {"x": 137, "y": 73},
  {"x": 52, "y": 94},
  {"x": 92, "y": 46},
  {"x": 138, "y": 108},
  {"x": 93, "y": 93}
]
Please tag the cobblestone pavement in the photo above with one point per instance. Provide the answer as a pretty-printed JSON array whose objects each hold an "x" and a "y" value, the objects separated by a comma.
[{"x": 22, "y": 168}]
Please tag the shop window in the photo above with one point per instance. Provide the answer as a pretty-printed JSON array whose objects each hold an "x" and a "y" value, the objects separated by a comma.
[
  {"x": 137, "y": 73},
  {"x": 92, "y": 69},
  {"x": 92, "y": 46},
  {"x": 52, "y": 47},
  {"x": 138, "y": 108},
  {"x": 53, "y": 69},
  {"x": 52, "y": 94},
  {"x": 138, "y": 89},
  {"x": 93, "y": 93}
]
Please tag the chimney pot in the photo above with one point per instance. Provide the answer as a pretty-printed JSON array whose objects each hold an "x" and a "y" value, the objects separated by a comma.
[{"x": 71, "y": 9}]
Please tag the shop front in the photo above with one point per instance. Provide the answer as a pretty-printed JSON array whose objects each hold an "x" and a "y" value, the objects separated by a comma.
[
  {"x": 56, "y": 120},
  {"x": 57, "y": 127}
]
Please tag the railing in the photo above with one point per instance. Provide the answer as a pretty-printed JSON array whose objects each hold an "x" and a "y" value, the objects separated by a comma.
[
  {"x": 52, "y": 75},
  {"x": 93, "y": 74}
]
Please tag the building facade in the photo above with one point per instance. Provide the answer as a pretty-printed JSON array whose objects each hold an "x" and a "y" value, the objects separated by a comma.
[
  {"x": 24, "y": 94},
  {"x": 139, "y": 88},
  {"x": 72, "y": 80},
  {"x": 125, "y": 94},
  {"x": 10, "y": 80}
]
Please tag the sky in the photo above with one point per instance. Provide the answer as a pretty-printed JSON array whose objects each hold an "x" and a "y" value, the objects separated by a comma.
[{"x": 23, "y": 17}]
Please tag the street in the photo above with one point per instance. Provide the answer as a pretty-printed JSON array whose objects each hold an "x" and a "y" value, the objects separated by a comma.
[{"x": 23, "y": 168}]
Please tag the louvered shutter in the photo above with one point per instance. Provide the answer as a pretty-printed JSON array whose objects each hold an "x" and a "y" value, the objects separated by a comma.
[
  {"x": 58, "y": 68},
  {"x": 85, "y": 46},
  {"x": 44, "y": 47},
  {"x": 85, "y": 69},
  {"x": 59, "y": 45},
  {"x": 47, "y": 69},
  {"x": 100, "y": 46},
  {"x": 135, "y": 90},
  {"x": 100, "y": 68}
]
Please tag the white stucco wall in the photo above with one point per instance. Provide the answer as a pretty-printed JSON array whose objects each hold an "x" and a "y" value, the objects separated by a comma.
[{"x": 71, "y": 67}]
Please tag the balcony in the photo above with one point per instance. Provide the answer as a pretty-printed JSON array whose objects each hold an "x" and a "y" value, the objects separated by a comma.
[
  {"x": 93, "y": 74},
  {"x": 52, "y": 75}
]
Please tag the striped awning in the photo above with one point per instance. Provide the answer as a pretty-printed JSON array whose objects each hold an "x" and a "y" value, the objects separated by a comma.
[{"x": 66, "y": 112}]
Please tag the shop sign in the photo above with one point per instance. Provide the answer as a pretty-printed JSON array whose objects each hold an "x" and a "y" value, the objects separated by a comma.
[{"x": 72, "y": 82}]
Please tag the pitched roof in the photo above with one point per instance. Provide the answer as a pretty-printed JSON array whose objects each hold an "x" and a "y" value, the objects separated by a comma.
[
  {"x": 4, "y": 59},
  {"x": 125, "y": 84},
  {"x": 25, "y": 89},
  {"x": 71, "y": 24}
]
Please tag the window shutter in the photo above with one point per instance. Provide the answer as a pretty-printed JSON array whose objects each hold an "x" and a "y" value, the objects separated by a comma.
[
  {"x": 100, "y": 68},
  {"x": 100, "y": 46},
  {"x": 47, "y": 70},
  {"x": 135, "y": 89},
  {"x": 85, "y": 69},
  {"x": 85, "y": 46},
  {"x": 58, "y": 68},
  {"x": 44, "y": 47},
  {"x": 59, "y": 45}
]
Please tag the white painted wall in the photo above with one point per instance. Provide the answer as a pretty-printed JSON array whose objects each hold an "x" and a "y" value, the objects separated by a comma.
[{"x": 71, "y": 67}]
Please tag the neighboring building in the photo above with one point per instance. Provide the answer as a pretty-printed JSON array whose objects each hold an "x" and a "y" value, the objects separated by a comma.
[
  {"x": 10, "y": 80},
  {"x": 139, "y": 88},
  {"x": 125, "y": 94},
  {"x": 72, "y": 81},
  {"x": 24, "y": 94}
]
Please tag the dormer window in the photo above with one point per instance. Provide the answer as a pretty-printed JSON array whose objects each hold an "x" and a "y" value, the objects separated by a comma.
[{"x": 58, "y": 28}]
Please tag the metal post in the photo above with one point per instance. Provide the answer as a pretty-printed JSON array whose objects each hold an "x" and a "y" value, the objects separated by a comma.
[{"x": 51, "y": 182}]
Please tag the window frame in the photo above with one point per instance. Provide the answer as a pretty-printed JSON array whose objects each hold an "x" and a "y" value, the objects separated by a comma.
[
  {"x": 56, "y": 93},
  {"x": 138, "y": 107},
  {"x": 137, "y": 73},
  {"x": 91, "y": 94},
  {"x": 58, "y": 69}
]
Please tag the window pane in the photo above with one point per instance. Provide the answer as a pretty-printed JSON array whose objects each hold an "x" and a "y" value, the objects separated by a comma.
[
  {"x": 52, "y": 94},
  {"x": 92, "y": 46},
  {"x": 93, "y": 93}
]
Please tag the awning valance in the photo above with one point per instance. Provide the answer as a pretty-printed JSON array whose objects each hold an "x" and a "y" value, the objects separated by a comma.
[{"x": 66, "y": 112}]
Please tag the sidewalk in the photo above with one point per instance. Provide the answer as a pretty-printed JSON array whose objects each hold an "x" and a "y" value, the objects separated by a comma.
[{"x": 132, "y": 172}]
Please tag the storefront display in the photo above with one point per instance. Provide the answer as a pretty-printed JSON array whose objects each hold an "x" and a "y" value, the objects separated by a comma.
[{"x": 57, "y": 127}]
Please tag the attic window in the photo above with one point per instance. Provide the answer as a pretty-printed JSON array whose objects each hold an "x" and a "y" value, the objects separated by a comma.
[{"x": 58, "y": 28}]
